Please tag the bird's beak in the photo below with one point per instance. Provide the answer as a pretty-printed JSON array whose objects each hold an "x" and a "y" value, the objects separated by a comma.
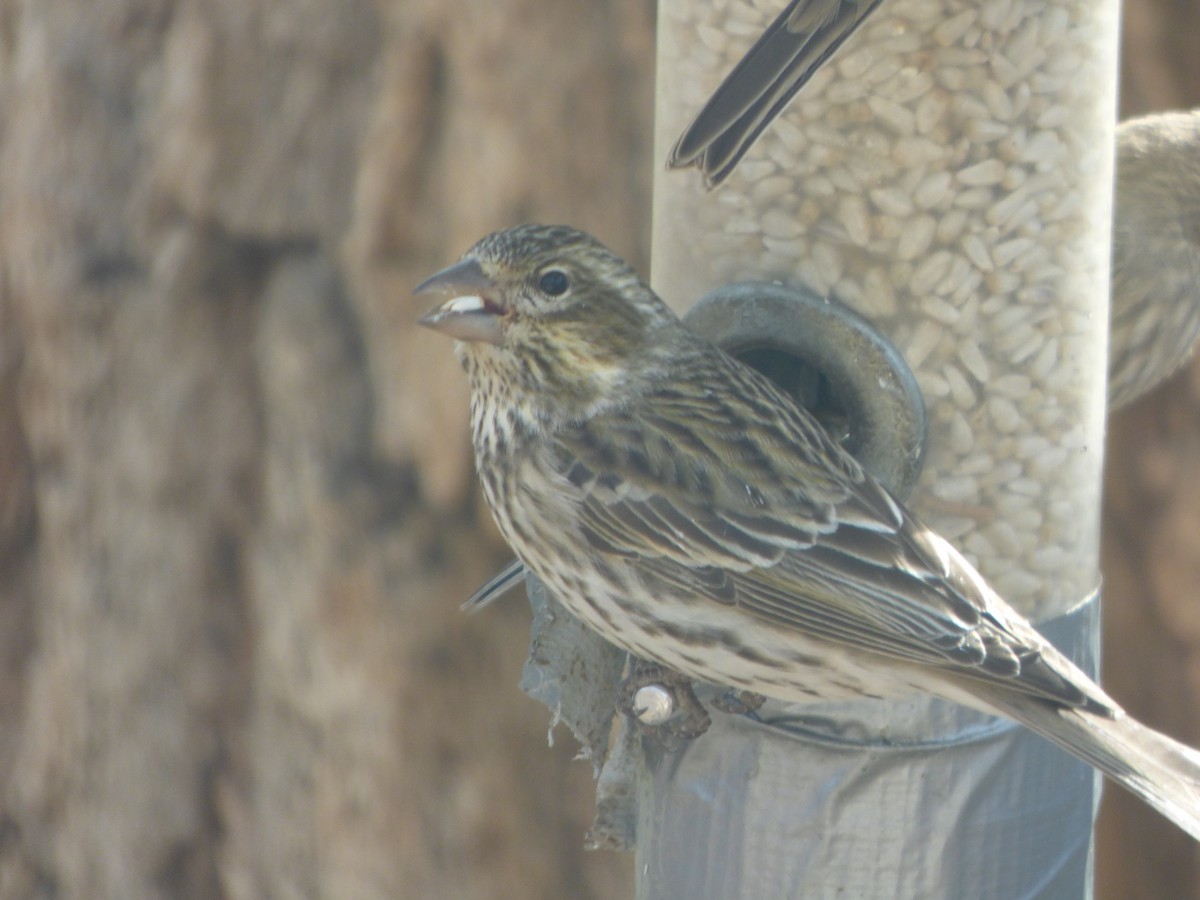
[{"x": 471, "y": 309}]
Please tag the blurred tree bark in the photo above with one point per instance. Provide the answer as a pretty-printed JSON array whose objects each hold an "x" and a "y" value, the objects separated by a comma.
[
  {"x": 236, "y": 506},
  {"x": 237, "y": 513}
]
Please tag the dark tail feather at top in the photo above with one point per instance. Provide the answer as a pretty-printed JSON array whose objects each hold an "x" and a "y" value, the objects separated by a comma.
[{"x": 762, "y": 84}]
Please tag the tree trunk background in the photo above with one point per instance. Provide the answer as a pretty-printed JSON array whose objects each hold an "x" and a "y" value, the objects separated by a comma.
[{"x": 237, "y": 512}]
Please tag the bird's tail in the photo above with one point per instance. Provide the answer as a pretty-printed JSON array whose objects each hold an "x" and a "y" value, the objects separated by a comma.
[{"x": 1162, "y": 771}]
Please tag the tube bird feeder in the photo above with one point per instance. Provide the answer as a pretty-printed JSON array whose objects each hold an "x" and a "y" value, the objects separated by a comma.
[{"x": 948, "y": 176}]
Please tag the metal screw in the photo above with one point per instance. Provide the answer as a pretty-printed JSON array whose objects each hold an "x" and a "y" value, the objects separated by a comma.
[{"x": 653, "y": 704}]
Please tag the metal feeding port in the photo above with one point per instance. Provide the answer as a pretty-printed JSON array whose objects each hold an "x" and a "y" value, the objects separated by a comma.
[{"x": 833, "y": 362}]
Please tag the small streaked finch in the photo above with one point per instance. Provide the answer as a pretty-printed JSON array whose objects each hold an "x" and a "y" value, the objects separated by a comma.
[
  {"x": 680, "y": 504},
  {"x": 762, "y": 84}
]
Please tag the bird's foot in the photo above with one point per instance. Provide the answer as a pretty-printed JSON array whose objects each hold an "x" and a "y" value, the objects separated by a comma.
[{"x": 738, "y": 703}]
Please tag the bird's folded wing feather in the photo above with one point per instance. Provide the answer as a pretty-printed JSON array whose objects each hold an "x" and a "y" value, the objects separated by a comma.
[
  {"x": 496, "y": 587},
  {"x": 822, "y": 549},
  {"x": 781, "y": 62}
]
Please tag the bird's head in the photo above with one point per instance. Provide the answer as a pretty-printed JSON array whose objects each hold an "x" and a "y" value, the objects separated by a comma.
[{"x": 552, "y": 312}]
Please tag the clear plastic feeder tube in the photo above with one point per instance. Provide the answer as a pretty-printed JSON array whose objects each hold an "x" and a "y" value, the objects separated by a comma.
[{"x": 947, "y": 174}]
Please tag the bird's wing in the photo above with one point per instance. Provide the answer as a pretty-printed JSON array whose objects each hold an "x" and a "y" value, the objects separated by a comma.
[
  {"x": 781, "y": 523},
  {"x": 687, "y": 477},
  {"x": 781, "y": 62}
]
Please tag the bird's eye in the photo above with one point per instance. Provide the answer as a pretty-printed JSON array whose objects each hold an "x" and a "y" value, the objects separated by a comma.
[{"x": 554, "y": 282}]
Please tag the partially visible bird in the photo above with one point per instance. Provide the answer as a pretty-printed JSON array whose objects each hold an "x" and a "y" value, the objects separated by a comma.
[
  {"x": 1155, "y": 252},
  {"x": 781, "y": 62},
  {"x": 685, "y": 508}
]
